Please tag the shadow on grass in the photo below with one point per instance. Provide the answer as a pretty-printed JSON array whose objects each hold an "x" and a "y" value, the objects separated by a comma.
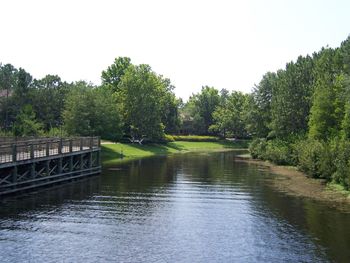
[
  {"x": 135, "y": 151},
  {"x": 132, "y": 151}
]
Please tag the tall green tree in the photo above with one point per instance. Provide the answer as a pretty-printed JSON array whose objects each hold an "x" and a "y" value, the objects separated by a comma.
[
  {"x": 258, "y": 112},
  {"x": 291, "y": 100},
  {"x": 112, "y": 76},
  {"x": 141, "y": 92},
  {"x": 328, "y": 103},
  {"x": 8, "y": 75},
  {"x": 48, "y": 97},
  {"x": 229, "y": 117},
  {"x": 204, "y": 104},
  {"x": 91, "y": 111},
  {"x": 26, "y": 123},
  {"x": 346, "y": 120}
]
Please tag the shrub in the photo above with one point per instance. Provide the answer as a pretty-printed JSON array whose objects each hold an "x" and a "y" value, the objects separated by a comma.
[
  {"x": 314, "y": 158},
  {"x": 257, "y": 148},
  {"x": 195, "y": 138},
  {"x": 341, "y": 162},
  {"x": 168, "y": 138},
  {"x": 279, "y": 152},
  {"x": 56, "y": 132}
]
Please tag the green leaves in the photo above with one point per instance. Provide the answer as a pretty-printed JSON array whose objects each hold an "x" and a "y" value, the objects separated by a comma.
[
  {"x": 141, "y": 92},
  {"x": 26, "y": 123},
  {"x": 229, "y": 116},
  {"x": 92, "y": 111},
  {"x": 112, "y": 76}
]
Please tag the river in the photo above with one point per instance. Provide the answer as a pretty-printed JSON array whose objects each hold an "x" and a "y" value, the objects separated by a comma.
[{"x": 182, "y": 208}]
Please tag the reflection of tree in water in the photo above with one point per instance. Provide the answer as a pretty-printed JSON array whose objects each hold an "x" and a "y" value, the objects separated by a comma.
[
  {"x": 147, "y": 194},
  {"x": 327, "y": 227},
  {"x": 134, "y": 186}
]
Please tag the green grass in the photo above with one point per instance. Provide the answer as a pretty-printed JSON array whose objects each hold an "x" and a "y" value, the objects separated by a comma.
[{"x": 112, "y": 153}]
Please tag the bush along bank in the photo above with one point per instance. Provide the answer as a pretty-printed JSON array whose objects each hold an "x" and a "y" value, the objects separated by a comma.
[{"x": 329, "y": 160}]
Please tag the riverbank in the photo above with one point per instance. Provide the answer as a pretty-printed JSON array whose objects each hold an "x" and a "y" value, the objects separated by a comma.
[
  {"x": 293, "y": 182},
  {"x": 114, "y": 153},
  {"x": 288, "y": 179}
]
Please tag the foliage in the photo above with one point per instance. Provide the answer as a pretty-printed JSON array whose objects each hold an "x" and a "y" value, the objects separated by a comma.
[
  {"x": 301, "y": 113},
  {"x": 291, "y": 100},
  {"x": 200, "y": 110},
  {"x": 228, "y": 117},
  {"x": 257, "y": 148},
  {"x": 326, "y": 114},
  {"x": 169, "y": 138},
  {"x": 140, "y": 93},
  {"x": 48, "y": 97},
  {"x": 56, "y": 132},
  {"x": 111, "y": 77},
  {"x": 315, "y": 158},
  {"x": 195, "y": 138},
  {"x": 258, "y": 112},
  {"x": 276, "y": 151},
  {"x": 279, "y": 152},
  {"x": 345, "y": 124},
  {"x": 26, "y": 123},
  {"x": 341, "y": 163},
  {"x": 91, "y": 111}
]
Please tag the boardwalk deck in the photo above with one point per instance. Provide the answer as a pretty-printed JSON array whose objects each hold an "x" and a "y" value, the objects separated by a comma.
[{"x": 26, "y": 164}]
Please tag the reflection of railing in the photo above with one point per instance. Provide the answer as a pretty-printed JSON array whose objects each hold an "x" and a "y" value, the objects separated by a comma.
[{"x": 12, "y": 150}]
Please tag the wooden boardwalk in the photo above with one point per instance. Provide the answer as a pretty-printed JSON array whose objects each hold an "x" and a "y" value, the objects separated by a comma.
[{"x": 30, "y": 163}]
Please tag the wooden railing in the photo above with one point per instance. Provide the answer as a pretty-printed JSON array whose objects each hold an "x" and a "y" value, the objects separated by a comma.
[{"x": 20, "y": 149}]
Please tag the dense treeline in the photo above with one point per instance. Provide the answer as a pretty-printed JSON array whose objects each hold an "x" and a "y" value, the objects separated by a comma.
[
  {"x": 299, "y": 115},
  {"x": 133, "y": 101}
]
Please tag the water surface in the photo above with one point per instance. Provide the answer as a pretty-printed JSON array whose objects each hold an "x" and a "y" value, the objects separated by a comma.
[{"x": 180, "y": 208}]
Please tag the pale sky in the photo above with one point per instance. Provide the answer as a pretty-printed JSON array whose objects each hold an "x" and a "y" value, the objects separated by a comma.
[{"x": 225, "y": 44}]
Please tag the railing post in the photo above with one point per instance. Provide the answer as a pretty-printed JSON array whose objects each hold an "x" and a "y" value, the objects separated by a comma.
[
  {"x": 91, "y": 142},
  {"x": 60, "y": 143},
  {"x": 99, "y": 142},
  {"x": 31, "y": 151},
  {"x": 81, "y": 144},
  {"x": 70, "y": 145},
  {"x": 47, "y": 149},
  {"x": 14, "y": 152}
]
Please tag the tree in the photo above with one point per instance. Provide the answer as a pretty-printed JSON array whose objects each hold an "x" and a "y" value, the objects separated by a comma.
[
  {"x": 291, "y": 100},
  {"x": 112, "y": 76},
  {"x": 257, "y": 116},
  {"x": 26, "y": 123},
  {"x": 91, "y": 111},
  {"x": 202, "y": 106},
  {"x": 8, "y": 75},
  {"x": 170, "y": 115},
  {"x": 229, "y": 117},
  {"x": 328, "y": 103},
  {"x": 141, "y": 92},
  {"x": 48, "y": 95}
]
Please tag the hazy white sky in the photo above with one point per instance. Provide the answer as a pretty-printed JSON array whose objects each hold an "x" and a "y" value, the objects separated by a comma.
[{"x": 225, "y": 44}]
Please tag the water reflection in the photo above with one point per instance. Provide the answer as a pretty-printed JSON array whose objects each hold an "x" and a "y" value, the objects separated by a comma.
[{"x": 183, "y": 208}]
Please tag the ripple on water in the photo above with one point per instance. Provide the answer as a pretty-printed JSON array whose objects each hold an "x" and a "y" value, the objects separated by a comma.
[{"x": 169, "y": 210}]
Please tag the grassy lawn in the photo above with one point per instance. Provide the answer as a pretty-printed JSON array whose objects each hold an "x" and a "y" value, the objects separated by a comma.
[{"x": 112, "y": 153}]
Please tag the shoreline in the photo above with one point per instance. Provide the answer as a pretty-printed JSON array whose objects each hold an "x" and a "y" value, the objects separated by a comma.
[
  {"x": 287, "y": 178},
  {"x": 117, "y": 153},
  {"x": 293, "y": 182}
]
